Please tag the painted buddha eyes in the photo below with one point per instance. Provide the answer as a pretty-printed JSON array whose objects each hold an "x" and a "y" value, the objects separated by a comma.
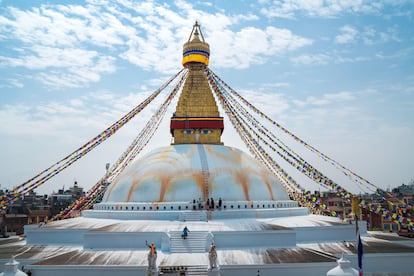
[{"x": 191, "y": 131}]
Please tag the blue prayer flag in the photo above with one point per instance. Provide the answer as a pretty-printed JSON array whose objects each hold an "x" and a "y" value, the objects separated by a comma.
[{"x": 360, "y": 253}]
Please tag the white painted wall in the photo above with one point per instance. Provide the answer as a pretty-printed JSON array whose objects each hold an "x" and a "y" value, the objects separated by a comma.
[
  {"x": 254, "y": 239},
  {"x": 217, "y": 214},
  {"x": 325, "y": 233},
  {"x": 51, "y": 236},
  {"x": 87, "y": 270}
]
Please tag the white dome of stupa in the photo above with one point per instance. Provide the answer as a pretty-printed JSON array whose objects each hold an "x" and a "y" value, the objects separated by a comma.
[{"x": 178, "y": 173}]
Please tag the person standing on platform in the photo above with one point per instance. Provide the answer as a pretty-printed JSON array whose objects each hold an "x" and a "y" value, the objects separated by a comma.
[
  {"x": 208, "y": 204},
  {"x": 152, "y": 248},
  {"x": 212, "y": 256},
  {"x": 199, "y": 203},
  {"x": 220, "y": 203},
  {"x": 212, "y": 203},
  {"x": 152, "y": 256}
]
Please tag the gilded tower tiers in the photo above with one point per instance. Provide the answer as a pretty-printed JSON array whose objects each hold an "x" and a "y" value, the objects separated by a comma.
[{"x": 196, "y": 119}]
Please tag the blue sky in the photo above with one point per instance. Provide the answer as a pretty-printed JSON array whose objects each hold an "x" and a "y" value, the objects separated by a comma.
[{"x": 339, "y": 74}]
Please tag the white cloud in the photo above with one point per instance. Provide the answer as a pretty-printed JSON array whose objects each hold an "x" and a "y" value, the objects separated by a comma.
[
  {"x": 324, "y": 59},
  {"x": 152, "y": 54},
  {"x": 11, "y": 83},
  {"x": 325, "y": 100},
  {"x": 311, "y": 59},
  {"x": 319, "y": 8},
  {"x": 340, "y": 96},
  {"x": 267, "y": 43},
  {"x": 371, "y": 36},
  {"x": 64, "y": 118},
  {"x": 56, "y": 108},
  {"x": 41, "y": 57},
  {"x": 276, "y": 85},
  {"x": 76, "y": 103},
  {"x": 65, "y": 26},
  {"x": 157, "y": 49},
  {"x": 349, "y": 35},
  {"x": 70, "y": 67},
  {"x": 272, "y": 104},
  {"x": 102, "y": 95},
  {"x": 351, "y": 59},
  {"x": 80, "y": 43},
  {"x": 368, "y": 35},
  {"x": 58, "y": 38},
  {"x": 42, "y": 120}
]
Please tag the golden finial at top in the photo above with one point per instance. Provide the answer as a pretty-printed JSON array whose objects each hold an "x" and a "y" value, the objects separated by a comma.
[{"x": 196, "y": 49}]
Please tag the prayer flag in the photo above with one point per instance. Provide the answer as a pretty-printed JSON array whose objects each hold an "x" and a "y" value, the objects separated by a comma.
[{"x": 360, "y": 254}]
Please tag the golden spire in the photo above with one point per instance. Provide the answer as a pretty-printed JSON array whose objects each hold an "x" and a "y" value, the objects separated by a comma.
[{"x": 196, "y": 119}]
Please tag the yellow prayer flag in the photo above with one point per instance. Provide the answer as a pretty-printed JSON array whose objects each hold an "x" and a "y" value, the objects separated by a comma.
[{"x": 355, "y": 205}]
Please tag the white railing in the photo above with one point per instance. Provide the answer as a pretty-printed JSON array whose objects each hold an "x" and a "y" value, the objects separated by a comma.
[{"x": 188, "y": 206}]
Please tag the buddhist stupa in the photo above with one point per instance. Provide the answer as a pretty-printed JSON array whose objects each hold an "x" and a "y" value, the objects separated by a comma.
[{"x": 254, "y": 226}]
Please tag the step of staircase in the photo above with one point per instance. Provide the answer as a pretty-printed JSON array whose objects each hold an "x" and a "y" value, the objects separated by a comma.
[
  {"x": 194, "y": 216},
  {"x": 195, "y": 242},
  {"x": 197, "y": 270}
]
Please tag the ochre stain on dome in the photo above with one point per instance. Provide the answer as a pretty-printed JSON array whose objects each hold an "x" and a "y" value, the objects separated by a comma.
[
  {"x": 233, "y": 157},
  {"x": 165, "y": 156},
  {"x": 163, "y": 175},
  {"x": 199, "y": 178},
  {"x": 177, "y": 173},
  {"x": 173, "y": 184},
  {"x": 269, "y": 188},
  {"x": 240, "y": 178},
  {"x": 113, "y": 186},
  {"x": 196, "y": 176},
  {"x": 165, "y": 181},
  {"x": 166, "y": 177}
]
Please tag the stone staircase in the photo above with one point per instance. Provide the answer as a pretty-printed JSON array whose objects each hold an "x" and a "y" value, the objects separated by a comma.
[
  {"x": 194, "y": 216},
  {"x": 195, "y": 242},
  {"x": 197, "y": 270}
]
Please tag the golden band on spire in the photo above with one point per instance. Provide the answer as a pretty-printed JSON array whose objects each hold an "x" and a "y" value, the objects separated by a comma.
[{"x": 196, "y": 49}]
